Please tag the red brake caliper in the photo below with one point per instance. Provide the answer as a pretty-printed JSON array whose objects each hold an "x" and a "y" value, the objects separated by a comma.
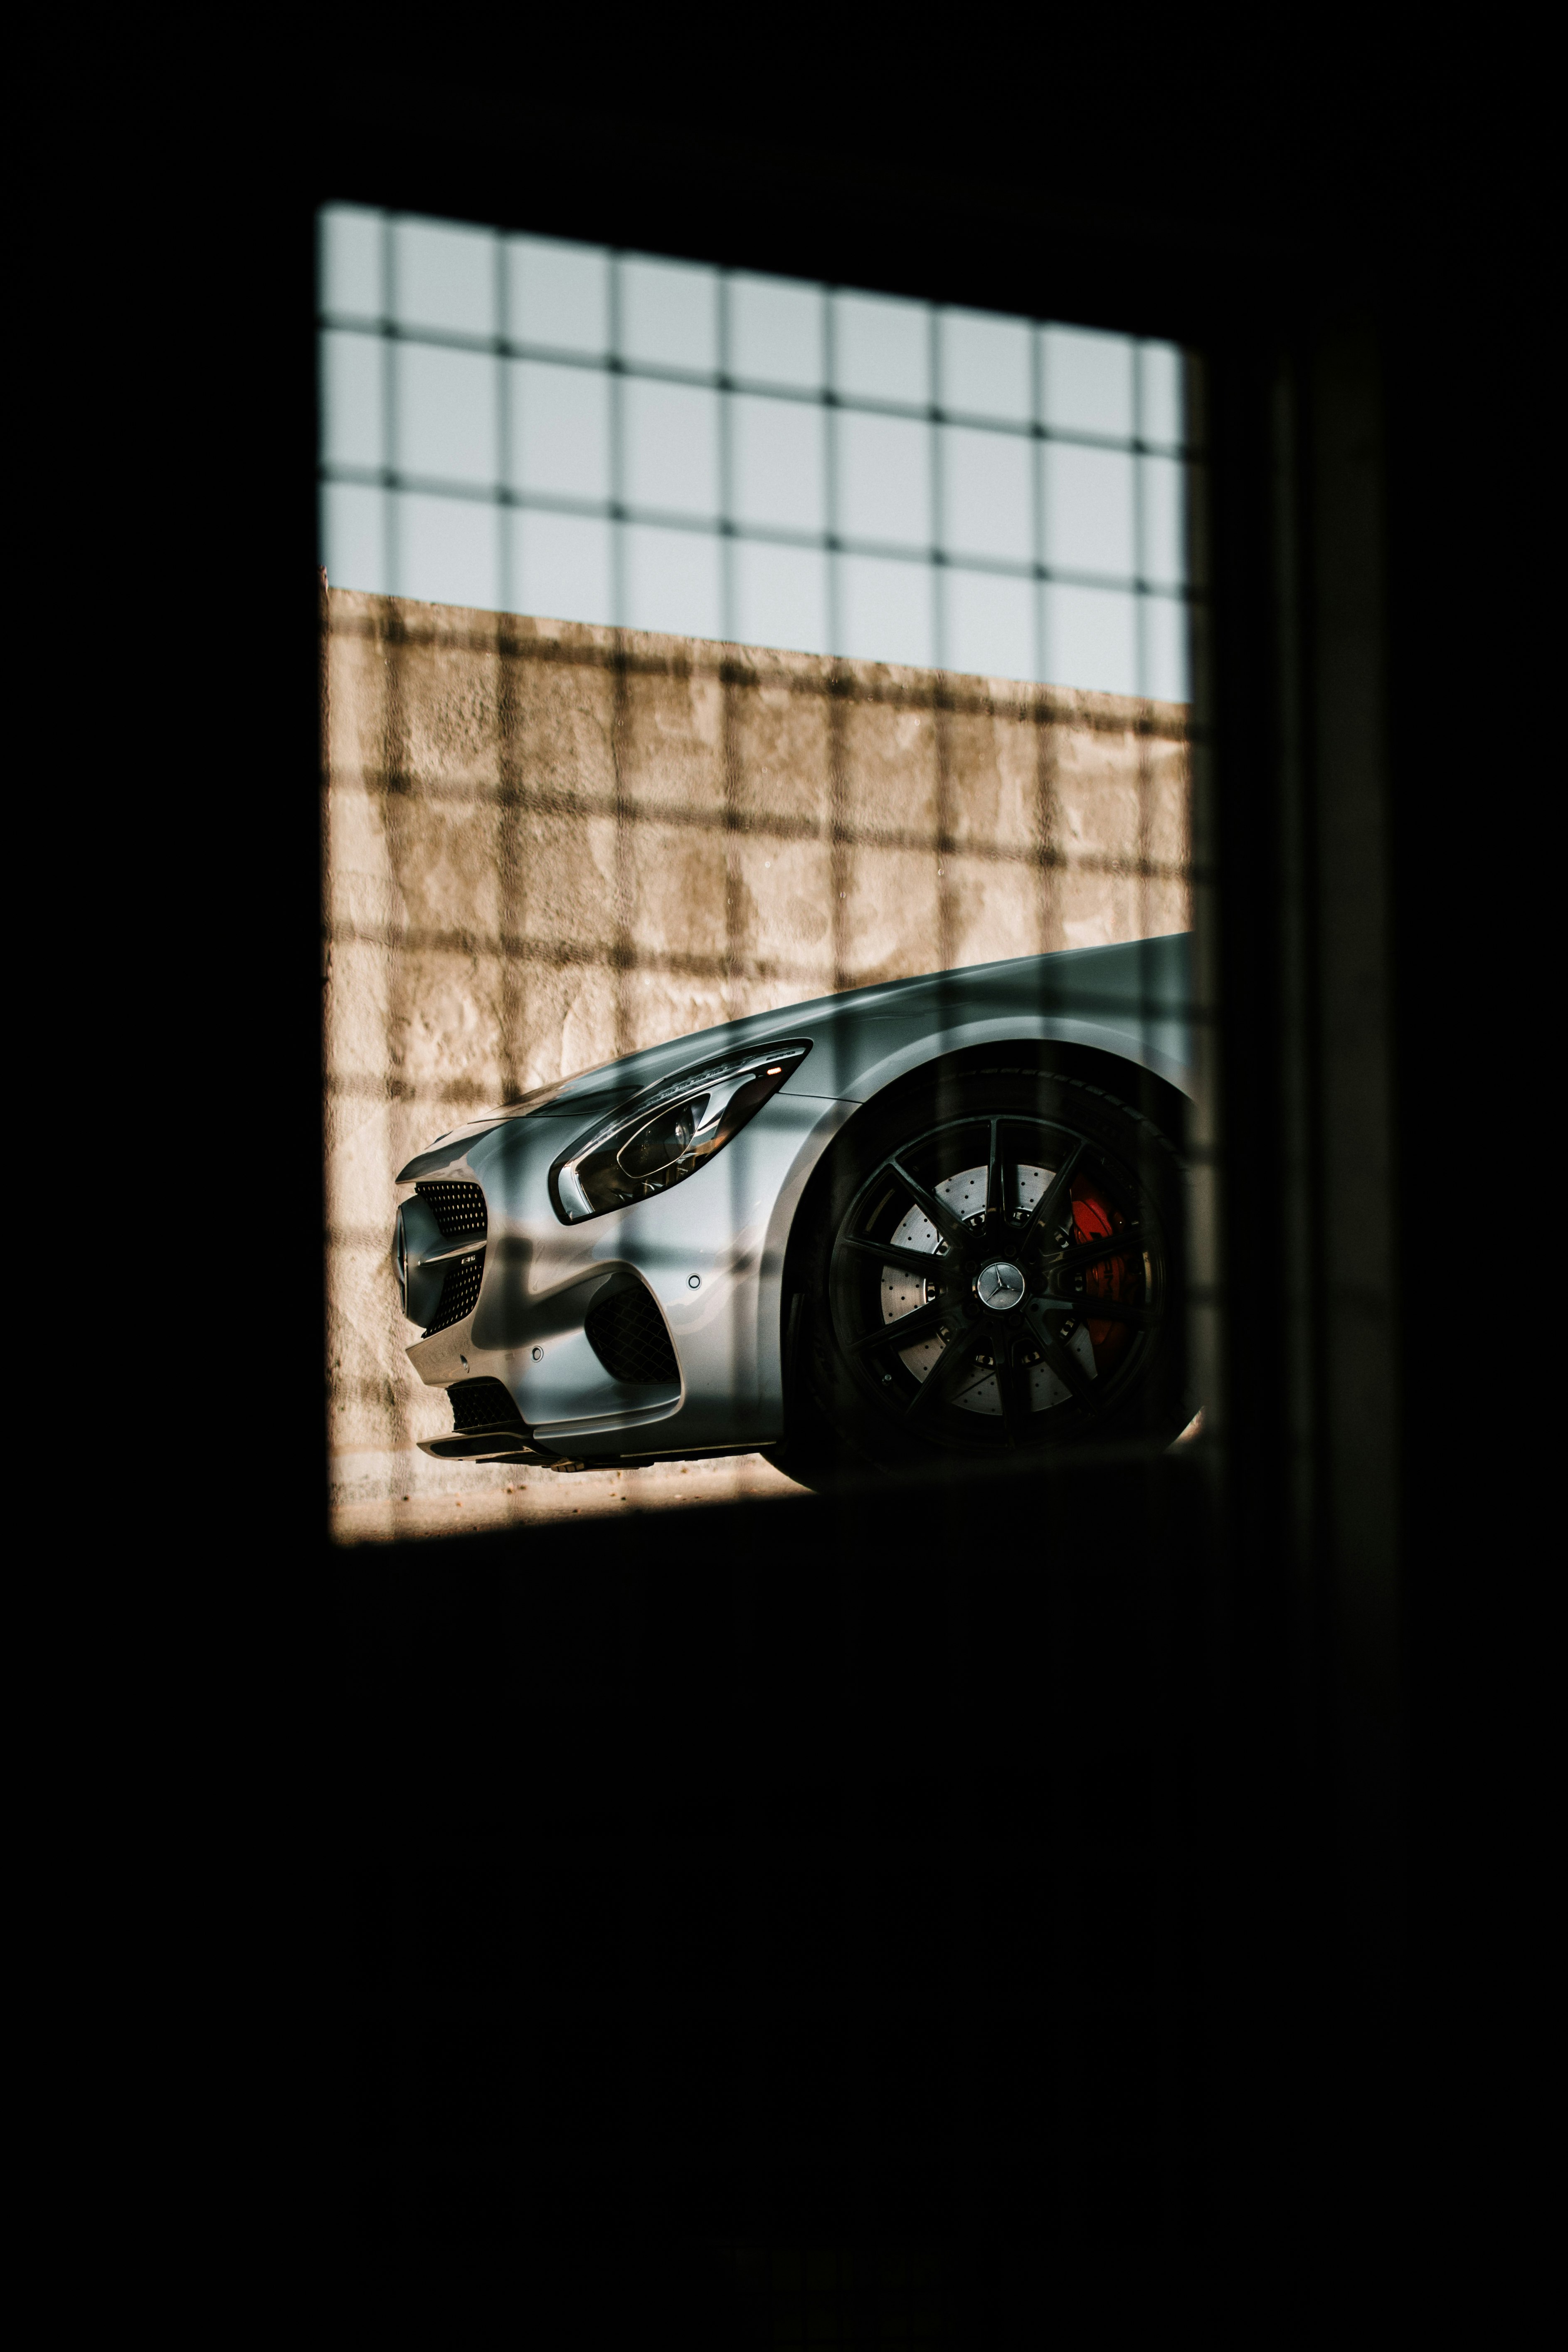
[{"x": 1093, "y": 1219}]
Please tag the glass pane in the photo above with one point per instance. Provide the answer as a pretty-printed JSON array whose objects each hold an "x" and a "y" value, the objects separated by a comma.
[
  {"x": 448, "y": 550},
  {"x": 444, "y": 277},
  {"x": 1167, "y": 658},
  {"x": 1162, "y": 488},
  {"x": 776, "y": 333},
  {"x": 1090, "y": 510},
  {"x": 884, "y": 480},
  {"x": 354, "y": 537},
  {"x": 1091, "y": 638},
  {"x": 670, "y": 314},
  {"x": 881, "y": 349},
  {"x": 987, "y": 482},
  {"x": 350, "y": 400},
  {"x": 885, "y": 610},
  {"x": 780, "y": 597},
  {"x": 987, "y": 365},
  {"x": 778, "y": 453},
  {"x": 673, "y": 582},
  {"x": 560, "y": 566},
  {"x": 558, "y": 295},
  {"x": 1161, "y": 401},
  {"x": 558, "y": 429},
  {"x": 671, "y": 445},
  {"x": 991, "y": 623},
  {"x": 350, "y": 259},
  {"x": 1087, "y": 382},
  {"x": 446, "y": 413}
]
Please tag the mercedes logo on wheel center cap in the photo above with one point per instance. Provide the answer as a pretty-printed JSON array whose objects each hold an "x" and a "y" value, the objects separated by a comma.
[{"x": 1000, "y": 1286}]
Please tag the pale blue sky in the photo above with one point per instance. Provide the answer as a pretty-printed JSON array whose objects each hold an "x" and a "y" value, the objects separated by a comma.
[{"x": 524, "y": 425}]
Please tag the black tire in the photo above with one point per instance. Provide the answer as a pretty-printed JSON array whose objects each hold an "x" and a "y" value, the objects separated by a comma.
[{"x": 1033, "y": 1333}]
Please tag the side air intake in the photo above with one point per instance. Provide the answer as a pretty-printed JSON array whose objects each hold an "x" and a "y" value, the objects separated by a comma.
[
  {"x": 627, "y": 1334},
  {"x": 482, "y": 1404}
]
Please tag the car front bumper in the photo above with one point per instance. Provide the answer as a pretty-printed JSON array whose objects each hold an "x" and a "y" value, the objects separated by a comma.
[{"x": 709, "y": 1253}]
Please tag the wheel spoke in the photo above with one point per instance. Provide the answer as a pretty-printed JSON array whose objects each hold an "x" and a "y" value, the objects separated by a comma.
[
  {"x": 1068, "y": 1369},
  {"x": 1126, "y": 1244},
  {"x": 947, "y": 1221},
  {"x": 909, "y": 1261},
  {"x": 1110, "y": 1310},
  {"x": 1051, "y": 1201},
  {"x": 947, "y": 1373},
  {"x": 996, "y": 1175},
  {"x": 1045, "y": 1302},
  {"x": 904, "y": 1331}
]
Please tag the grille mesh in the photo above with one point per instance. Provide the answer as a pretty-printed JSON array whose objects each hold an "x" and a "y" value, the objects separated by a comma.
[
  {"x": 458, "y": 1208},
  {"x": 627, "y": 1332},
  {"x": 482, "y": 1404},
  {"x": 460, "y": 1292}
]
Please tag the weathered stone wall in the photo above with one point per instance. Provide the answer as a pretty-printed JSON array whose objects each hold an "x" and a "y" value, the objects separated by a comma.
[{"x": 549, "y": 843}]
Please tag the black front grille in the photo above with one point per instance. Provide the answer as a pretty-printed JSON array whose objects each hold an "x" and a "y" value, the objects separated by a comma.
[
  {"x": 627, "y": 1333},
  {"x": 460, "y": 1292},
  {"x": 482, "y": 1404},
  {"x": 458, "y": 1208}
]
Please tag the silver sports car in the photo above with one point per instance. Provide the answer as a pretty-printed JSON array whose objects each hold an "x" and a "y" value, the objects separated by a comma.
[{"x": 940, "y": 1216}]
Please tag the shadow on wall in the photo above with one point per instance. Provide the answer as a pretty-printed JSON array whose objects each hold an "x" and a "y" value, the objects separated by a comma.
[{"x": 549, "y": 843}]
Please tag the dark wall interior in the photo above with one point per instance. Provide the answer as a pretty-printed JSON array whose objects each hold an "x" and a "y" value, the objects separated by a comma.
[
  {"x": 1001, "y": 1878},
  {"x": 824, "y": 1908}
]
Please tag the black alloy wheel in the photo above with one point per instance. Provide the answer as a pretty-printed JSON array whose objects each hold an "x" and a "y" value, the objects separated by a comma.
[{"x": 992, "y": 1268}]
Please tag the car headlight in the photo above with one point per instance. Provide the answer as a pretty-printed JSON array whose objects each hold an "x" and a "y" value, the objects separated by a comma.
[{"x": 667, "y": 1132}]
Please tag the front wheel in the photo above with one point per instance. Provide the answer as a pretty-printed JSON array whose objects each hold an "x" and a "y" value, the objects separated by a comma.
[{"x": 987, "y": 1266}]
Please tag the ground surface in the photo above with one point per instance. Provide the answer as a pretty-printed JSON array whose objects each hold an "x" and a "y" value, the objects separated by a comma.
[
  {"x": 531, "y": 1495},
  {"x": 522, "y": 1497}
]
